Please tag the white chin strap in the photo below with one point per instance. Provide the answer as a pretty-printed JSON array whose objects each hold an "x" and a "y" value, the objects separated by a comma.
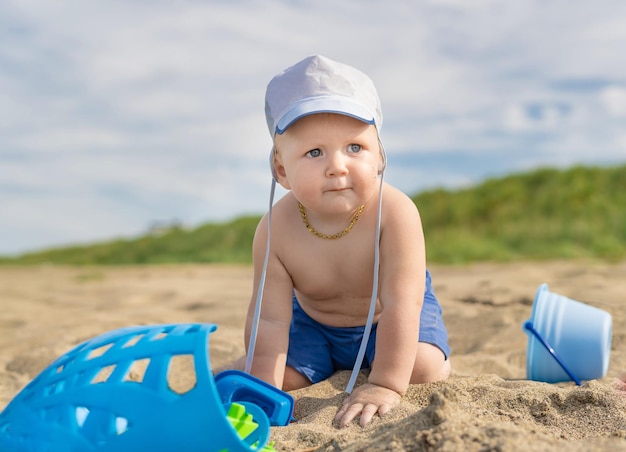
[
  {"x": 370, "y": 316},
  {"x": 259, "y": 294}
]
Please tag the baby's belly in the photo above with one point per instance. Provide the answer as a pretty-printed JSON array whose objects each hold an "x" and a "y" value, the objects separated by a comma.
[{"x": 337, "y": 311}]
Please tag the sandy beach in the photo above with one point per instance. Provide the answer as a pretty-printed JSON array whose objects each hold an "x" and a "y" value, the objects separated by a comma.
[{"x": 487, "y": 404}]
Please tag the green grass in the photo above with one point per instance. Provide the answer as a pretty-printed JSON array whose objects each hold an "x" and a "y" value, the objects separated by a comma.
[
  {"x": 542, "y": 214},
  {"x": 228, "y": 243}
]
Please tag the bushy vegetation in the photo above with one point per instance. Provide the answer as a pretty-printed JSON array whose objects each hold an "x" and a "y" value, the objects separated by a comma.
[
  {"x": 228, "y": 242},
  {"x": 543, "y": 214}
]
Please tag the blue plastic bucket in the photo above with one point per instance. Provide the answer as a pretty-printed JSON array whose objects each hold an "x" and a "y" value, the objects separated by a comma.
[{"x": 567, "y": 340}]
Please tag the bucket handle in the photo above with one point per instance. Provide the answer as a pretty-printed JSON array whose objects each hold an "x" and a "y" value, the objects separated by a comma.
[{"x": 529, "y": 326}]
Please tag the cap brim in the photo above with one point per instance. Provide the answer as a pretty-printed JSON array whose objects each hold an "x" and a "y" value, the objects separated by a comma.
[{"x": 307, "y": 107}]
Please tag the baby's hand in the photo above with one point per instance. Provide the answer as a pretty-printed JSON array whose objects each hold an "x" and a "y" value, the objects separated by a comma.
[{"x": 366, "y": 401}]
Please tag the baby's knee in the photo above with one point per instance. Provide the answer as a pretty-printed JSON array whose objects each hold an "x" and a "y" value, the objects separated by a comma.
[
  {"x": 294, "y": 380},
  {"x": 430, "y": 365}
]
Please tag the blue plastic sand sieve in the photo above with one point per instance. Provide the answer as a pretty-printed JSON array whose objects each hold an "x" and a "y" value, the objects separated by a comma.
[{"x": 86, "y": 400}]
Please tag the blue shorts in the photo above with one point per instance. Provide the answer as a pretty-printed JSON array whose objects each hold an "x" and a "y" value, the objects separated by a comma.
[{"x": 317, "y": 351}]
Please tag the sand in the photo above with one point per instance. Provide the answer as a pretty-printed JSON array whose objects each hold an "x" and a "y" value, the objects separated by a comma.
[{"x": 487, "y": 404}]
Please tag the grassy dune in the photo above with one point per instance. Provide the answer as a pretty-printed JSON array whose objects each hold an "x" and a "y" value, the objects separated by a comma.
[
  {"x": 543, "y": 214},
  {"x": 575, "y": 213}
]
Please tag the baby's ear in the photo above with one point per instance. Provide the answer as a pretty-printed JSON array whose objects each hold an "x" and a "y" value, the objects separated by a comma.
[{"x": 278, "y": 171}]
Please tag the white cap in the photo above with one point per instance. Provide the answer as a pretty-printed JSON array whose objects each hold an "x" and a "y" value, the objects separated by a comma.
[{"x": 320, "y": 85}]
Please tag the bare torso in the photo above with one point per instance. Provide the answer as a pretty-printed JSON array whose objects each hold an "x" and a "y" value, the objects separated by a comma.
[{"x": 332, "y": 279}]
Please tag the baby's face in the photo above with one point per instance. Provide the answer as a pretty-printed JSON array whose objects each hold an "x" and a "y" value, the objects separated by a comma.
[{"x": 329, "y": 161}]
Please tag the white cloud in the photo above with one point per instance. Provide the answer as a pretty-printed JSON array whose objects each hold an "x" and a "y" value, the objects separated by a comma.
[
  {"x": 614, "y": 99},
  {"x": 121, "y": 113}
]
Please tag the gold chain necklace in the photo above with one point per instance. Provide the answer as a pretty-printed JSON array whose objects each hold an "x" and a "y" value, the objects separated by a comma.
[{"x": 348, "y": 228}]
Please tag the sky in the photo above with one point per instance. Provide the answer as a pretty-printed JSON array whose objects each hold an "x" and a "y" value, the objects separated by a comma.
[{"x": 119, "y": 115}]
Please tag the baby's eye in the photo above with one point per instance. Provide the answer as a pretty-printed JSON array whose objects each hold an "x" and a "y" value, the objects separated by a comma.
[
  {"x": 355, "y": 148},
  {"x": 314, "y": 153}
]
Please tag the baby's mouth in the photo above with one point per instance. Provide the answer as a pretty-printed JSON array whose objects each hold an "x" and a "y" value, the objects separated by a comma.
[{"x": 338, "y": 189}]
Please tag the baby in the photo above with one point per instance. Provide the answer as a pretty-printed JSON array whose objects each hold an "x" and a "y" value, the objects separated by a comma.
[{"x": 331, "y": 247}]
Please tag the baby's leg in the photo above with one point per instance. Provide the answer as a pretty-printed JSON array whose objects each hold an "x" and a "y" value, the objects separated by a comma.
[
  {"x": 294, "y": 380},
  {"x": 430, "y": 364},
  {"x": 238, "y": 364}
]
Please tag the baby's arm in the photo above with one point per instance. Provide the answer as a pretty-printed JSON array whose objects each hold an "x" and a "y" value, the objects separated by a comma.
[
  {"x": 270, "y": 354},
  {"x": 402, "y": 281}
]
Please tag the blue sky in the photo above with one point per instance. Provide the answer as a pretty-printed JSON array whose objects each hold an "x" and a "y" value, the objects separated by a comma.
[{"x": 118, "y": 114}]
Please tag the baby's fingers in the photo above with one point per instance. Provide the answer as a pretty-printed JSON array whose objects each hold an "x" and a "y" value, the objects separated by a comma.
[
  {"x": 366, "y": 401},
  {"x": 347, "y": 413},
  {"x": 367, "y": 414}
]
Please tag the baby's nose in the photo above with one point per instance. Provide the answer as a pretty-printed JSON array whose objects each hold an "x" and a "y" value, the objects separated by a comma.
[{"x": 337, "y": 165}]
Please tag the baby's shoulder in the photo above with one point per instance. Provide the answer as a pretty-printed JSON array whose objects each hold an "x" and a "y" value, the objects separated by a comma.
[
  {"x": 285, "y": 214},
  {"x": 394, "y": 198}
]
